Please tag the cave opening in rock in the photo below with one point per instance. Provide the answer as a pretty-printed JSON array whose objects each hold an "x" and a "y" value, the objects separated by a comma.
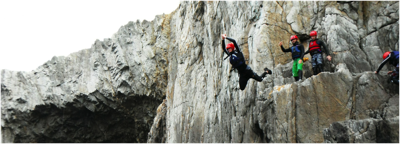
[{"x": 129, "y": 122}]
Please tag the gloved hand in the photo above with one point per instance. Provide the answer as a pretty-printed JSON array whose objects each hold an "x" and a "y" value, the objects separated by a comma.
[{"x": 305, "y": 59}]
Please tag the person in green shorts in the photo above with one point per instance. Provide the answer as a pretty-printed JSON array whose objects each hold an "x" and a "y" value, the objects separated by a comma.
[{"x": 297, "y": 55}]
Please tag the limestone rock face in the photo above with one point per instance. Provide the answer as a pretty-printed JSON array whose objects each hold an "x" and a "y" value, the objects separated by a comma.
[{"x": 110, "y": 92}]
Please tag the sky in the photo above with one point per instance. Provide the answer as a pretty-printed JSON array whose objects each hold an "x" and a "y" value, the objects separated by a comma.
[{"x": 33, "y": 31}]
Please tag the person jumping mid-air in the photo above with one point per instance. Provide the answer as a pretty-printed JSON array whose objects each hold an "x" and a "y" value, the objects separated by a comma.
[{"x": 238, "y": 62}]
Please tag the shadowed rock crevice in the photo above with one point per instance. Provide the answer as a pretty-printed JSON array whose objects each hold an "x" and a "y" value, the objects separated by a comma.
[
  {"x": 158, "y": 132},
  {"x": 339, "y": 133},
  {"x": 5, "y": 91},
  {"x": 130, "y": 122},
  {"x": 259, "y": 132},
  {"x": 383, "y": 133}
]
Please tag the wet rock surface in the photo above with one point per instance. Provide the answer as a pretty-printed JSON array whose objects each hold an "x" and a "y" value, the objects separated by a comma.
[{"x": 120, "y": 82}]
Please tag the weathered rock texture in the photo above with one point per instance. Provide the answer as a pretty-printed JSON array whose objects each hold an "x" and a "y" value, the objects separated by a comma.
[{"x": 110, "y": 93}]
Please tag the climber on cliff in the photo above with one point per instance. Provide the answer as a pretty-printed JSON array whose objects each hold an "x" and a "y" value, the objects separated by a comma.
[
  {"x": 297, "y": 51},
  {"x": 314, "y": 48},
  {"x": 392, "y": 58},
  {"x": 238, "y": 62}
]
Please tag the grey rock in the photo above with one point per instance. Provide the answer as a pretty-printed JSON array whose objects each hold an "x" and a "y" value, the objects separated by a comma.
[
  {"x": 158, "y": 132},
  {"x": 392, "y": 107},
  {"x": 110, "y": 92},
  {"x": 363, "y": 131}
]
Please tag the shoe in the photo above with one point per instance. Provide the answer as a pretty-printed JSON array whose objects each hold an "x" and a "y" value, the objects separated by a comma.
[
  {"x": 321, "y": 68},
  {"x": 300, "y": 75},
  {"x": 315, "y": 70},
  {"x": 268, "y": 70}
]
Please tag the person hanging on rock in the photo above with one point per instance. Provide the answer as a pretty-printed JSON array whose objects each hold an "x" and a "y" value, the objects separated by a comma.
[
  {"x": 393, "y": 59},
  {"x": 238, "y": 62},
  {"x": 314, "y": 48},
  {"x": 297, "y": 51}
]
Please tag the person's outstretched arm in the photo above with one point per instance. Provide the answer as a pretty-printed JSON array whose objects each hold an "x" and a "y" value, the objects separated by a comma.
[
  {"x": 383, "y": 63},
  {"x": 308, "y": 51},
  {"x": 224, "y": 47},
  {"x": 285, "y": 50},
  {"x": 282, "y": 48}
]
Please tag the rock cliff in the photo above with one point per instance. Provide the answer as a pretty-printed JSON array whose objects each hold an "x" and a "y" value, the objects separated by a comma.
[{"x": 166, "y": 80}]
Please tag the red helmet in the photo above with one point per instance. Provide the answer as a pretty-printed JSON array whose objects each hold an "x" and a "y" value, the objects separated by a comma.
[
  {"x": 385, "y": 55},
  {"x": 230, "y": 45},
  {"x": 313, "y": 33},
  {"x": 293, "y": 37}
]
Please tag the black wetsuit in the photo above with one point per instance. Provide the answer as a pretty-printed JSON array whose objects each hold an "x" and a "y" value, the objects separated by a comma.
[
  {"x": 301, "y": 48},
  {"x": 393, "y": 61},
  {"x": 238, "y": 62}
]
